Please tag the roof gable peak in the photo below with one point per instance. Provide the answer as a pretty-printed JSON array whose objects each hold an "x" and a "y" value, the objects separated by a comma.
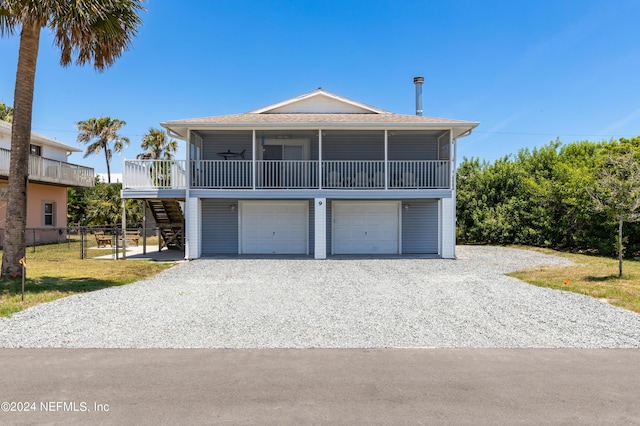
[{"x": 319, "y": 101}]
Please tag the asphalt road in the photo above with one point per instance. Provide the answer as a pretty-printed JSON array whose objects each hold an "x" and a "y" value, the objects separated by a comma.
[{"x": 320, "y": 386}]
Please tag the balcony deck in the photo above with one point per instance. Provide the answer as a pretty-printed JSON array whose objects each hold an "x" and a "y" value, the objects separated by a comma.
[
  {"x": 51, "y": 171},
  {"x": 288, "y": 174}
]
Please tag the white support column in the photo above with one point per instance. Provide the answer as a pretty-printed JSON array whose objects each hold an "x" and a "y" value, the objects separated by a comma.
[
  {"x": 448, "y": 228},
  {"x": 454, "y": 185},
  {"x": 320, "y": 213},
  {"x": 190, "y": 243},
  {"x": 320, "y": 159},
  {"x": 253, "y": 159},
  {"x": 188, "y": 164},
  {"x": 386, "y": 159},
  {"x": 192, "y": 228}
]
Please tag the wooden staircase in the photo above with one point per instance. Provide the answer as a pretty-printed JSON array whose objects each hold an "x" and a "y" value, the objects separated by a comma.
[{"x": 170, "y": 220}]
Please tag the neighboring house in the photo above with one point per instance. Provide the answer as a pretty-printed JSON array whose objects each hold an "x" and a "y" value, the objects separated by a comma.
[
  {"x": 318, "y": 174},
  {"x": 49, "y": 177}
]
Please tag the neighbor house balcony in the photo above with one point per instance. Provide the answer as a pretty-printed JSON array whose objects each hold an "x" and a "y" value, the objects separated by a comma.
[
  {"x": 51, "y": 171},
  {"x": 288, "y": 174}
]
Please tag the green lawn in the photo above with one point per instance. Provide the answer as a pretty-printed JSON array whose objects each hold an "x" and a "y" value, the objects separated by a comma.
[
  {"x": 593, "y": 276},
  {"x": 56, "y": 270}
]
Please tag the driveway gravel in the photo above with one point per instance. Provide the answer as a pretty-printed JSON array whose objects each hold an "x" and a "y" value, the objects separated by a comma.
[{"x": 352, "y": 303}]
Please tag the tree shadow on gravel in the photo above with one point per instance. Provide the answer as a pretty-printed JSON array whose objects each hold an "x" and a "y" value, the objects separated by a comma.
[{"x": 9, "y": 287}]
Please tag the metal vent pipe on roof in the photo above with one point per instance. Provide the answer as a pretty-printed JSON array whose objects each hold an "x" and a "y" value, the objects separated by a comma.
[{"x": 418, "y": 81}]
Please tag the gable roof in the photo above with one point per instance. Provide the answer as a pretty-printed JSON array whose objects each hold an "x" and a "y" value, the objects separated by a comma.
[
  {"x": 5, "y": 128},
  {"x": 319, "y": 101},
  {"x": 297, "y": 119},
  {"x": 317, "y": 109}
]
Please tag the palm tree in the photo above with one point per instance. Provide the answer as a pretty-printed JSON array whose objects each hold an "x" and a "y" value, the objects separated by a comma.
[
  {"x": 99, "y": 133},
  {"x": 157, "y": 146},
  {"x": 88, "y": 31},
  {"x": 6, "y": 112},
  {"x": 161, "y": 150}
]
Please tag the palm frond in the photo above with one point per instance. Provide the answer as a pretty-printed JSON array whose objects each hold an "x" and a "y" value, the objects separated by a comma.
[
  {"x": 94, "y": 148},
  {"x": 156, "y": 146},
  {"x": 95, "y": 31},
  {"x": 7, "y": 22},
  {"x": 15, "y": 13}
]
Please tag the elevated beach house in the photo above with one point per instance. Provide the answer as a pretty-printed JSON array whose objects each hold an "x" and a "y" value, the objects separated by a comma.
[
  {"x": 316, "y": 175},
  {"x": 49, "y": 177}
]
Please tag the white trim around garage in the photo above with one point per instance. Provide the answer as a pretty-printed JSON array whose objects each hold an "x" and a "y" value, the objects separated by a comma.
[
  {"x": 273, "y": 227},
  {"x": 366, "y": 227}
]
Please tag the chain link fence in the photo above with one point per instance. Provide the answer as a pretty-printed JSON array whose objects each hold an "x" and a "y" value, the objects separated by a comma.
[{"x": 87, "y": 241}]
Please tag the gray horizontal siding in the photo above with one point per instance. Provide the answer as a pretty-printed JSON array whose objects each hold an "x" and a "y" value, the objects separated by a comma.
[
  {"x": 219, "y": 227},
  {"x": 412, "y": 146},
  {"x": 337, "y": 144},
  {"x": 444, "y": 147},
  {"x": 216, "y": 142},
  {"x": 353, "y": 145},
  {"x": 310, "y": 135},
  {"x": 329, "y": 225},
  {"x": 312, "y": 226},
  {"x": 420, "y": 227}
]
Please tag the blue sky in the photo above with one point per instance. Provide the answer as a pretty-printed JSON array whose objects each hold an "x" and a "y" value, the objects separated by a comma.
[{"x": 529, "y": 72}]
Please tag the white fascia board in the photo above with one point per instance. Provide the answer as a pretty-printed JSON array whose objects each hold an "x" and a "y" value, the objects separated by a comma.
[
  {"x": 319, "y": 92},
  {"x": 285, "y": 102},
  {"x": 39, "y": 138},
  {"x": 461, "y": 128},
  {"x": 180, "y": 130},
  {"x": 326, "y": 125}
]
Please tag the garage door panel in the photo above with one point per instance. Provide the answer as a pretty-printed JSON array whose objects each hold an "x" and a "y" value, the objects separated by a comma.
[
  {"x": 366, "y": 227},
  {"x": 275, "y": 227}
]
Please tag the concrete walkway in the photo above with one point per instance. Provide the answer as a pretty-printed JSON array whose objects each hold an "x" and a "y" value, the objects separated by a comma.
[
  {"x": 320, "y": 386},
  {"x": 139, "y": 253}
]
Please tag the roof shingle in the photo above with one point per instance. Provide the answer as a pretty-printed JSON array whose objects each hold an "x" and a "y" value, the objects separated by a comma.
[{"x": 253, "y": 118}]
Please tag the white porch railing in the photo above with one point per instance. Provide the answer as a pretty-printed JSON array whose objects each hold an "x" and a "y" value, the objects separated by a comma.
[
  {"x": 221, "y": 174},
  {"x": 289, "y": 174},
  {"x": 151, "y": 174},
  {"x": 419, "y": 174},
  {"x": 353, "y": 174},
  {"x": 52, "y": 171}
]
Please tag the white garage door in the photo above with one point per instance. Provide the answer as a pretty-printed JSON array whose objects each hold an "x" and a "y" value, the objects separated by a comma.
[
  {"x": 274, "y": 227},
  {"x": 366, "y": 227}
]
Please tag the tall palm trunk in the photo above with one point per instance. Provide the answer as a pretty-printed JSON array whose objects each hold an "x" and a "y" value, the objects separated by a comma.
[
  {"x": 15, "y": 224},
  {"x": 106, "y": 154}
]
